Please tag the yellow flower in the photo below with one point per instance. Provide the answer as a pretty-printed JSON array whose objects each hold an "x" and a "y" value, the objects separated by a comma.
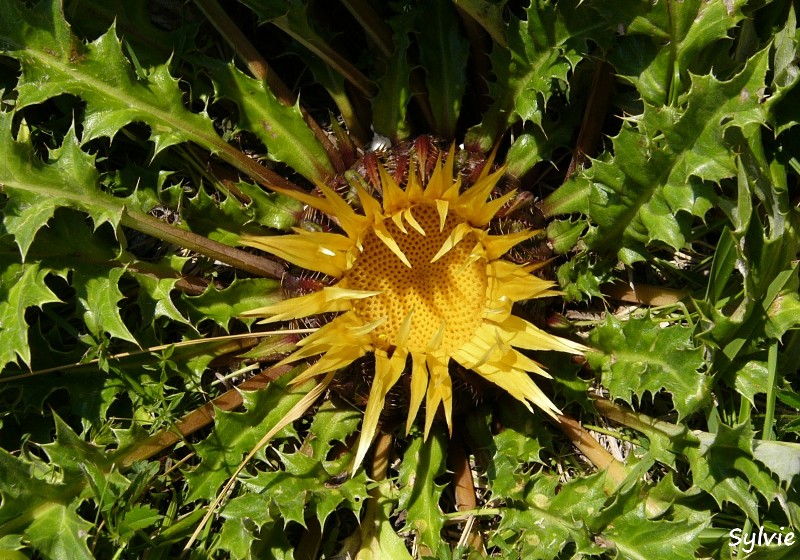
[{"x": 418, "y": 275}]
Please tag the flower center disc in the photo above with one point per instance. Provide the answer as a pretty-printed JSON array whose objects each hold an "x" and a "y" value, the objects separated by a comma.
[{"x": 450, "y": 292}]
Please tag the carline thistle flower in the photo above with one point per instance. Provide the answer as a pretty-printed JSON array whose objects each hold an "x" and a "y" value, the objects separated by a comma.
[{"x": 419, "y": 275}]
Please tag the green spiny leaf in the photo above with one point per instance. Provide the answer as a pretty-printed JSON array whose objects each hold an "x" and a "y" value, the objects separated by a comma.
[
  {"x": 70, "y": 452},
  {"x": 780, "y": 457},
  {"x": 583, "y": 275},
  {"x": 419, "y": 494},
  {"x": 236, "y": 433},
  {"x": 236, "y": 538},
  {"x": 515, "y": 450},
  {"x": 21, "y": 484},
  {"x": 21, "y": 286},
  {"x": 537, "y": 143},
  {"x": 304, "y": 483},
  {"x": 99, "y": 297},
  {"x": 309, "y": 482},
  {"x": 443, "y": 53},
  {"x": 749, "y": 378},
  {"x": 154, "y": 298},
  {"x": 281, "y": 128},
  {"x": 634, "y": 535},
  {"x": 226, "y": 219},
  {"x": 93, "y": 265},
  {"x": 36, "y": 188},
  {"x": 723, "y": 466},
  {"x": 783, "y": 314},
  {"x": 269, "y": 209},
  {"x": 223, "y": 221},
  {"x": 664, "y": 40},
  {"x": 787, "y": 73},
  {"x": 59, "y": 532},
  {"x": 10, "y": 545},
  {"x": 222, "y": 305},
  {"x": 542, "y": 49},
  {"x": 332, "y": 423},
  {"x": 553, "y": 518},
  {"x": 653, "y": 185},
  {"x": 55, "y": 62},
  {"x": 640, "y": 355},
  {"x": 563, "y": 234},
  {"x": 33, "y": 505}
]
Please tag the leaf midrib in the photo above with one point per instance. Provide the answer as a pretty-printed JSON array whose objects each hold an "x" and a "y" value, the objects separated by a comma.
[{"x": 74, "y": 74}]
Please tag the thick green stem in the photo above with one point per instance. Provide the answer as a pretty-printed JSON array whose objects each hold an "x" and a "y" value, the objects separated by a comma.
[
  {"x": 262, "y": 175},
  {"x": 234, "y": 257},
  {"x": 640, "y": 422},
  {"x": 616, "y": 472}
]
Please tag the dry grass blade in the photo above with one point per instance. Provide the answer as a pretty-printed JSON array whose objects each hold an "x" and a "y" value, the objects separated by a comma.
[{"x": 296, "y": 412}]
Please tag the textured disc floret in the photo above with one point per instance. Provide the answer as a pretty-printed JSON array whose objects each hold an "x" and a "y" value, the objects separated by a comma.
[
  {"x": 420, "y": 282},
  {"x": 447, "y": 295}
]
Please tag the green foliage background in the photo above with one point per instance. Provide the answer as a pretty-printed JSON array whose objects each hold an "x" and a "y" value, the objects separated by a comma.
[{"x": 139, "y": 140}]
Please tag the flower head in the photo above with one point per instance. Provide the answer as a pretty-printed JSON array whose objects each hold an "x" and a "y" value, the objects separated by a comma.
[{"x": 419, "y": 275}]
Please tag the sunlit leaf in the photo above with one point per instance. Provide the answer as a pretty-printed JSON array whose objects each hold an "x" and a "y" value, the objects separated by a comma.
[
  {"x": 542, "y": 50},
  {"x": 282, "y": 129},
  {"x": 69, "y": 541},
  {"x": 658, "y": 178},
  {"x": 21, "y": 286},
  {"x": 422, "y": 463},
  {"x": 724, "y": 466},
  {"x": 689, "y": 28},
  {"x": 55, "y": 62},
  {"x": 36, "y": 188},
  {"x": 641, "y": 355},
  {"x": 222, "y": 305},
  {"x": 633, "y": 535},
  {"x": 551, "y": 520},
  {"x": 236, "y": 433}
]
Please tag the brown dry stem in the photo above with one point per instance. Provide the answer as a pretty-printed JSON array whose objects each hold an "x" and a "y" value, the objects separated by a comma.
[
  {"x": 596, "y": 110},
  {"x": 195, "y": 420},
  {"x": 236, "y": 258},
  {"x": 466, "y": 499}
]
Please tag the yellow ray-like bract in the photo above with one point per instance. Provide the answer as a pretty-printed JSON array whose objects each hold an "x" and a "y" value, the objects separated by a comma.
[{"x": 418, "y": 275}]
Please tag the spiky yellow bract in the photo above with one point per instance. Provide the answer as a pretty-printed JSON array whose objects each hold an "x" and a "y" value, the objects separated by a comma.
[{"x": 419, "y": 276}]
